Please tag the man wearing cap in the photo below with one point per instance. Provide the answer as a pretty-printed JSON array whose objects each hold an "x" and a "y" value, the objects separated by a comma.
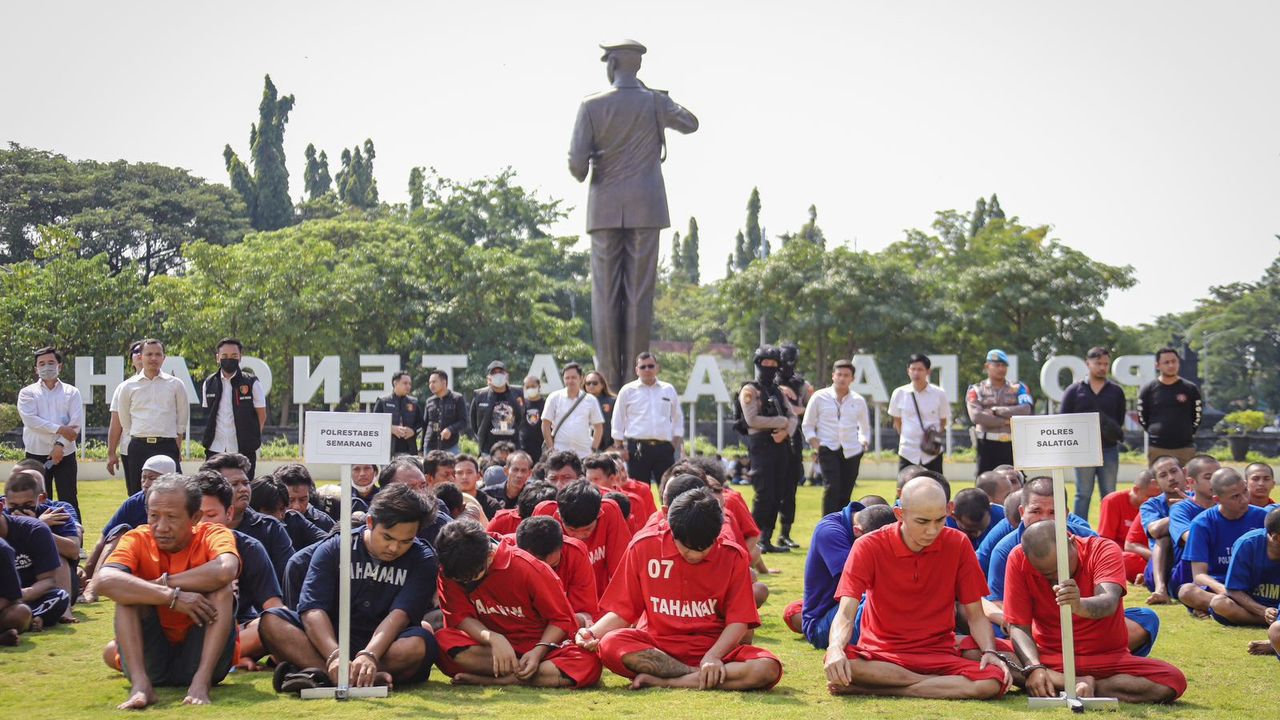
[
  {"x": 618, "y": 137},
  {"x": 991, "y": 403},
  {"x": 497, "y": 410}
]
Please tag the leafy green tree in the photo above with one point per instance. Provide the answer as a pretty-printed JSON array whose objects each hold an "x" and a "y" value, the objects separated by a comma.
[
  {"x": 675, "y": 259},
  {"x": 979, "y": 218},
  {"x": 690, "y": 252},
  {"x": 492, "y": 211},
  {"x": 415, "y": 189},
  {"x": 742, "y": 256},
  {"x": 37, "y": 187},
  {"x": 316, "y": 178},
  {"x": 266, "y": 190},
  {"x": 809, "y": 232},
  {"x": 755, "y": 238},
  {"x": 993, "y": 208}
]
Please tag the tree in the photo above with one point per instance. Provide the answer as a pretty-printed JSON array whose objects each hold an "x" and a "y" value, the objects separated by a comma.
[
  {"x": 993, "y": 208},
  {"x": 809, "y": 232},
  {"x": 266, "y": 190},
  {"x": 742, "y": 256},
  {"x": 316, "y": 177},
  {"x": 491, "y": 211},
  {"x": 676, "y": 259},
  {"x": 415, "y": 189},
  {"x": 978, "y": 219},
  {"x": 356, "y": 184},
  {"x": 37, "y": 187},
  {"x": 690, "y": 250},
  {"x": 755, "y": 239}
]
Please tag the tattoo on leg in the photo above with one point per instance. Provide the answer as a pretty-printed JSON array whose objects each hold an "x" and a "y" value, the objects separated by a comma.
[{"x": 655, "y": 662}]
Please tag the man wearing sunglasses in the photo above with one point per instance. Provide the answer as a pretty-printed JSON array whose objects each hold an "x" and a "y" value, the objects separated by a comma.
[{"x": 647, "y": 424}]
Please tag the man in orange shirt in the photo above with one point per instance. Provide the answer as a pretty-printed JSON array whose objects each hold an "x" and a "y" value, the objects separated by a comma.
[{"x": 172, "y": 581}]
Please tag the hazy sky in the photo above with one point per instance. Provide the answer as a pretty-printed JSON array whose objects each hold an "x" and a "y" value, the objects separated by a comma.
[{"x": 1143, "y": 132}]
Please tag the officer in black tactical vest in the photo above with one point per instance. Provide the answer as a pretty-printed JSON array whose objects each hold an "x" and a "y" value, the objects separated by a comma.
[
  {"x": 406, "y": 414},
  {"x": 766, "y": 418},
  {"x": 797, "y": 391},
  {"x": 236, "y": 405}
]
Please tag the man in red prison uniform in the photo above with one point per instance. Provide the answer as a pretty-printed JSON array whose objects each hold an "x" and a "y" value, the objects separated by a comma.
[
  {"x": 602, "y": 471},
  {"x": 506, "y": 618},
  {"x": 1137, "y": 543},
  {"x": 535, "y": 493},
  {"x": 587, "y": 516},
  {"x": 543, "y": 538},
  {"x": 1118, "y": 511},
  {"x": 688, "y": 594},
  {"x": 1094, "y": 592},
  {"x": 913, "y": 573}
]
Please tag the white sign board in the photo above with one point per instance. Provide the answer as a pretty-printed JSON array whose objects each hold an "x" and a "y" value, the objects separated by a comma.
[
  {"x": 347, "y": 438},
  {"x": 1056, "y": 441}
]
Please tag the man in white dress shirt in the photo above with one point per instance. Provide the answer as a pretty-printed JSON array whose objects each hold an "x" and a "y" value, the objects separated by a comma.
[
  {"x": 154, "y": 406},
  {"x": 571, "y": 417},
  {"x": 647, "y": 424},
  {"x": 835, "y": 424},
  {"x": 934, "y": 412},
  {"x": 52, "y": 415}
]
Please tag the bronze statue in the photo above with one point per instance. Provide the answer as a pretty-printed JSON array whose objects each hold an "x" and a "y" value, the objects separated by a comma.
[{"x": 618, "y": 135}]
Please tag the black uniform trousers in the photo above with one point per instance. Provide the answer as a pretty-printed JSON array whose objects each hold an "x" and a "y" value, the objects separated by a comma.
[
  {"x": 647, "y": 460},
  {"x": 143, "y": 449},
  {"x": 769, "y": 468},
  {"x": 839, "y": 474},
  {"x": 62, "y": 479}
]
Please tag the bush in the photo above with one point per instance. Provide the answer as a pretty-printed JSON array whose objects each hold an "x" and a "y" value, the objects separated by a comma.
[
  {"x": 9, "y": 418},
  {"x": 1244, "y": 421}
]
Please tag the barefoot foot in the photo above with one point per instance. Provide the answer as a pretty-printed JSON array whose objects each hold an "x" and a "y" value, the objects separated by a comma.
[{"x": 138, "y": 700}]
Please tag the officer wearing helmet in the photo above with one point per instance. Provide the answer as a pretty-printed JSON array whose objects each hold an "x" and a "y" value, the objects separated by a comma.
[
  {"x": 766, "y": 418},
  {"x": 797, "y": 391}
]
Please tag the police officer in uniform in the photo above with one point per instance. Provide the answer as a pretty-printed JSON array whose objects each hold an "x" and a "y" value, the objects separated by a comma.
[
  {"x": 990, "y": 404},
  {"x": 766, "y": 418},
  {"x": 406, "y": 414},
  {"x": 444, "y": 415},
  {"x": 236, "y": 405},
  {"x": 797, "y": 391}
]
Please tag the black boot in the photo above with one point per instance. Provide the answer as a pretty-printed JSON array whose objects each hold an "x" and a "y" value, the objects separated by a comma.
[
  {"x": 767, "y": 546},
  {"x": 785, "y": 539}
]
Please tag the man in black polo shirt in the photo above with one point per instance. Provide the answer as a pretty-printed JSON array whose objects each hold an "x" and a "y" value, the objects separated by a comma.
[
  {"x": 406, "y": 414},
  {"x": 234, "y": 468},
  {"x": 444, "y": 415},
  {"x": 497, "y": 410},
  {"x": 236, "y": 405},
  {"x": 1169, "y": 409},
  {"x": 1098, "y": 394}
]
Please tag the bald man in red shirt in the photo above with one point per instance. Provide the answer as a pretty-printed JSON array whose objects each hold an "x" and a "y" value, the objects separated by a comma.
[
  {"x": 913, "y": 573},
  {"x": 688, "y": 593},
  {"x": 1118, "y": 511},
  {"x": 506, "y": 616},
  {"x": 1094, "y": 592}
]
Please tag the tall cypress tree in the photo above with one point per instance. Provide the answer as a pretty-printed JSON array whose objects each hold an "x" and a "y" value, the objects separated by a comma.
[
  {"x": 754, "y": 236},
  {"x": 315, "y": 178},
  {"x": 676, "y": 258},
  {"x": 741, "y": 255},
  {"x": 994, "y": 211},
  {"x": 416, "y": 179},
  {"x": 691, "y": 258},
  {"x": 266, "y": 192},
  {"x": 979, "y": 218}
]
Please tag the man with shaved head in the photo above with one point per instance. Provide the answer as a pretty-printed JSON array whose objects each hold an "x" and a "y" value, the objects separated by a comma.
[
  {"x": 1118, "y": 511},
  {"x": 1261, "y": 479},
  {"x": 1013, "y": 475},
  {"x": 1094, "y": 592},
  {"x": 1212, "y": 536},
  {"x": 913, "y": 573},
  {"x": 1253, "y": 579},
  {"x": 1154, "y": 514},
  {"x": 996, "y": 485}
]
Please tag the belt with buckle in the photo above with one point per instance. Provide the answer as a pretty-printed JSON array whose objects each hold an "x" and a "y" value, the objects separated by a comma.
[
  {"x": 153, "y": 439},
  {"x": 648, "y": 441},
  {"x": 996, "y": 437}
]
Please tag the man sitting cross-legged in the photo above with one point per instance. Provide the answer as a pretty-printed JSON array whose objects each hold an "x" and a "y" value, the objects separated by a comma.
[
  {"x": 913, "y": 573},
  {"x": 598, "y": 523},
  {"x": 173, "y": 583},
  {"x": 688, "y": 593},
  {"x": 392, "y": 578},
  {"x": 1164, "y": 569},
  {"x": 1253, "y": 581},
  {"x": 543, "y": 538},
  {"x": 506, "y": 617},
  {"x": 1212, "y": 536},
  {"x": 15, "y": 615},
  {"x": 1118, "y": 511},
  {"x": 1094, "y": 592}
]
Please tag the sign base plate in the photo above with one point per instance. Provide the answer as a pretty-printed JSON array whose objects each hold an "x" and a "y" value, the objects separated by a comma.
[
  {"x": 333, "y": 693},
  {"x": 1078, "y": 705}
]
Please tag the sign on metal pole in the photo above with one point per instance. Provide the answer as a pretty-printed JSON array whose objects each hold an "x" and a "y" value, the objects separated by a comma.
[
  {"x": 1057, "y": 442},
  {"x": 346, "y": 439}
]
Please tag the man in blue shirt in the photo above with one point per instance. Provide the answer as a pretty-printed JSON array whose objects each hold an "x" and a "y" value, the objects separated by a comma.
[
  {"x": 393, "y": 576},
  {"x": 975, "y": 515},
  {"x": 257, "y": 589},
  {"x": 268, "y": 496},
  {"x": 1212, "y": 536},
  {"x": 297, "y": 479},
  {"x": 829, "y": 548},
  {"x": 1012, "y": 516},
  {"x": 37, "y": 560},
  {"x": 1155, "y": 519},
  {"x": 234, "y": 468},
  {"x": 15, "y": 615},
  {"x": 24, "y": 495},
  {"x": 1253, "y": 578}
]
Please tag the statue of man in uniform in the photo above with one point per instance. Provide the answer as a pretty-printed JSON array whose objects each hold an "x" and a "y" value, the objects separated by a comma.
[{"x": 618, "y": 137}]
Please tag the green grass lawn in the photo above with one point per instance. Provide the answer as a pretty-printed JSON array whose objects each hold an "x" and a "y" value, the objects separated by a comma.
[{"x": 60, "y": 674}]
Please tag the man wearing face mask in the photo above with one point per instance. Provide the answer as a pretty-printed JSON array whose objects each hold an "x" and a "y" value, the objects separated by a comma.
[
  {"x": 766, "y": 418},
  {"x": 52, "y": 415},
  {"x": 497, "y": 410},
  {"x": 797, "y": 391},
  {"x": 531, "y": 439},
  {"x": 236, "y": 405}
]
